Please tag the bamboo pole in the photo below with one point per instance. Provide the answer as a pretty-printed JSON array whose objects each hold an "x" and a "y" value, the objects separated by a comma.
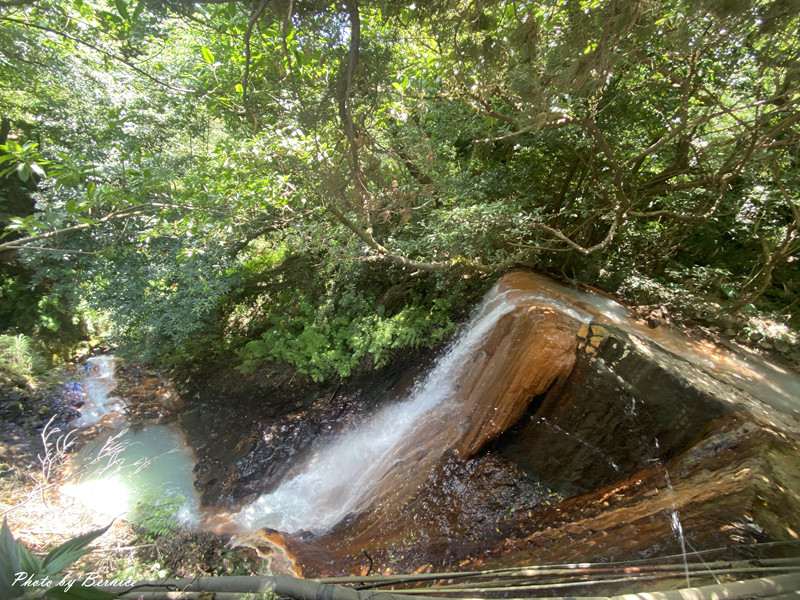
[
  {"x": 717, "y": 568},
  {"x": 229, "y": 588},
  {"x": 280, "y": 585},
  {"x": 766, "y": 587},
  {"x": 782, "y": 587},
  {"x": 700, "y": 568},
  {"x": 164, "y": 595},
  {"x": 489, "y": 572},
  {"x": 560, "y": 584}
]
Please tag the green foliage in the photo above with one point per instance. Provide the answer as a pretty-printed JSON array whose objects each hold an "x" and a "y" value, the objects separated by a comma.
[
  {"x": 47, "y": 313},
  {"x": 20, "y": 361},
  {"x": 187, "y": 172},
  {"x": 23, "y": 160},
  {"x": 157, "y": 517},
  {"x": 334, "y": 337},
  {"x": 16, "y": 558}
]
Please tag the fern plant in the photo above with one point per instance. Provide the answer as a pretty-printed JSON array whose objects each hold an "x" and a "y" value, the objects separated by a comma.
[
  {"x": 19, "y": 359},
  {"x": 16, "y": 559}
]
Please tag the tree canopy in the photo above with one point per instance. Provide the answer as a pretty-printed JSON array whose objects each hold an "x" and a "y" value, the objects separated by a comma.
[{"x": 324, "y": 183}]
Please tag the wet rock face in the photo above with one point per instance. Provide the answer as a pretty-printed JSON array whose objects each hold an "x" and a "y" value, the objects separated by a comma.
[
  {"x": 250, "y": 431},
  {"x": 634, "y": 439},
  {"x": 600, "y": 466},
  {"x": 463, "y": 508},
  {"x": 564, "y": 442},
  {"x": 149, "y": 396},
  {"x": 531, "y": 352},
  {"x": 622, "y": 409}
]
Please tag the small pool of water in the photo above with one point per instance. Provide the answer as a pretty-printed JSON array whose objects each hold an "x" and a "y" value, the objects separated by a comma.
[
  {"x": 133, "y": 472},
  {"x": 126, "y": 471}
]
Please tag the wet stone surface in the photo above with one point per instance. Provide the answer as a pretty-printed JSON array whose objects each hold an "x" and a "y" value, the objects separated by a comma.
[{"x": 248, "y": 432}]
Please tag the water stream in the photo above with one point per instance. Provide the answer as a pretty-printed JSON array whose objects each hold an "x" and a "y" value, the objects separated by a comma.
[
  {"x": 99, "y": 384},
  {"x": 340, "y": 476},
  {"x": 123, "y": 469}
]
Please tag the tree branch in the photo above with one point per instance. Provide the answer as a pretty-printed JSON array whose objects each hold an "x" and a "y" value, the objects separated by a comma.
[
  {"x": 365, "y": 234},
  {"x": 255, "y": 15},
  {"x": 20, "y": 243}
]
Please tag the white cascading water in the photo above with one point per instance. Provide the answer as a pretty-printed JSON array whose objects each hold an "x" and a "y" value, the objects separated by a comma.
[
  {"x": 337, "y": 477},
  {"x": 99, "y": 384}
]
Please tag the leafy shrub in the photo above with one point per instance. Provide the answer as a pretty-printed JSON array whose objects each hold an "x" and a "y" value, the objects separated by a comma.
[
  {"x": 16, "y": 558},
  {"x": 157, "y": 517},
  {"x": 347, "y": 316},
  {"x": 20, "y": 361},
  {"x": 321, "y": 345}
]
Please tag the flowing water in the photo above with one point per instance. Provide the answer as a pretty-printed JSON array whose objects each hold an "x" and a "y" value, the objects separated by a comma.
[
  {"x": 99, "y": 384},
  {"x": 340, "y": 476}
]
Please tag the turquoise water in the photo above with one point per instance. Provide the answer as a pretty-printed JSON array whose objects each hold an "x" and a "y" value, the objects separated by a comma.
[
  {"x": 132, "y": 473},
  {"x": 125, "y": 471}
]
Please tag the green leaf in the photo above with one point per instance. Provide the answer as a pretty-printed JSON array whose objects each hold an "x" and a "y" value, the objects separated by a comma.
[
  {"x": 138, "y": 10},
  {"x": 10, "y": 563},
  {"x": 28, "y": 562},
  {"x": 24, "y": 171},
  {"x": 37, "y": 169},
  {"x": 70, "y": 551},
  {"x": 122, "y": 9},
  {"x": 239, "y": 89},
  {"x": 208, "y": 56}
]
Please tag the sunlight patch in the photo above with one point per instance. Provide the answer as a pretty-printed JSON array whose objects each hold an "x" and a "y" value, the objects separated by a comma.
[{"x": 108, "y": 497}]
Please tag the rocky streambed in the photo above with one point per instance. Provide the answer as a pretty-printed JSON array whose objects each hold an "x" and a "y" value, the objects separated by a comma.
[
  {"x": 554, "y": 428},
  {"x": 571, "y": 432}
]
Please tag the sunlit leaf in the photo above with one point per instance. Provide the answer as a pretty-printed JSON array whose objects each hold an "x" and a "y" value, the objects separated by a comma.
[
  {"x": 69, "y": 552},
  {"x": 37, "y": 169},
  {"x": 24, "y": 171},
  {"x": 122, "y": 9},
  {"x": 10, "y": 563},
  {"x": 208, "y": 56},
  {"x": 28, "y": 562}
]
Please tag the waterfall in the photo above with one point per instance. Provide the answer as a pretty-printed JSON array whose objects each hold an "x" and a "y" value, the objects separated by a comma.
[
  {"x": 340, "y": 476},
  {"x": 98, "y": 383}
]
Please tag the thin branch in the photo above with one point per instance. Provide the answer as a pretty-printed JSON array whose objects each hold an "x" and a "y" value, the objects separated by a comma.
[
  {"x": 56, "y": 250},
  {"x": 255, "y": 15},
  {"x": 22, "y": 242},
  {"x": 556, "y": 119}
]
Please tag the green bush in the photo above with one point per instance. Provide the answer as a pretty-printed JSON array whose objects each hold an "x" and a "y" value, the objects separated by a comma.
[
  {"x": 322, "y": 344},
  {"x": 157, "y": 517},
  {"x": 20, "y": 361}
]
